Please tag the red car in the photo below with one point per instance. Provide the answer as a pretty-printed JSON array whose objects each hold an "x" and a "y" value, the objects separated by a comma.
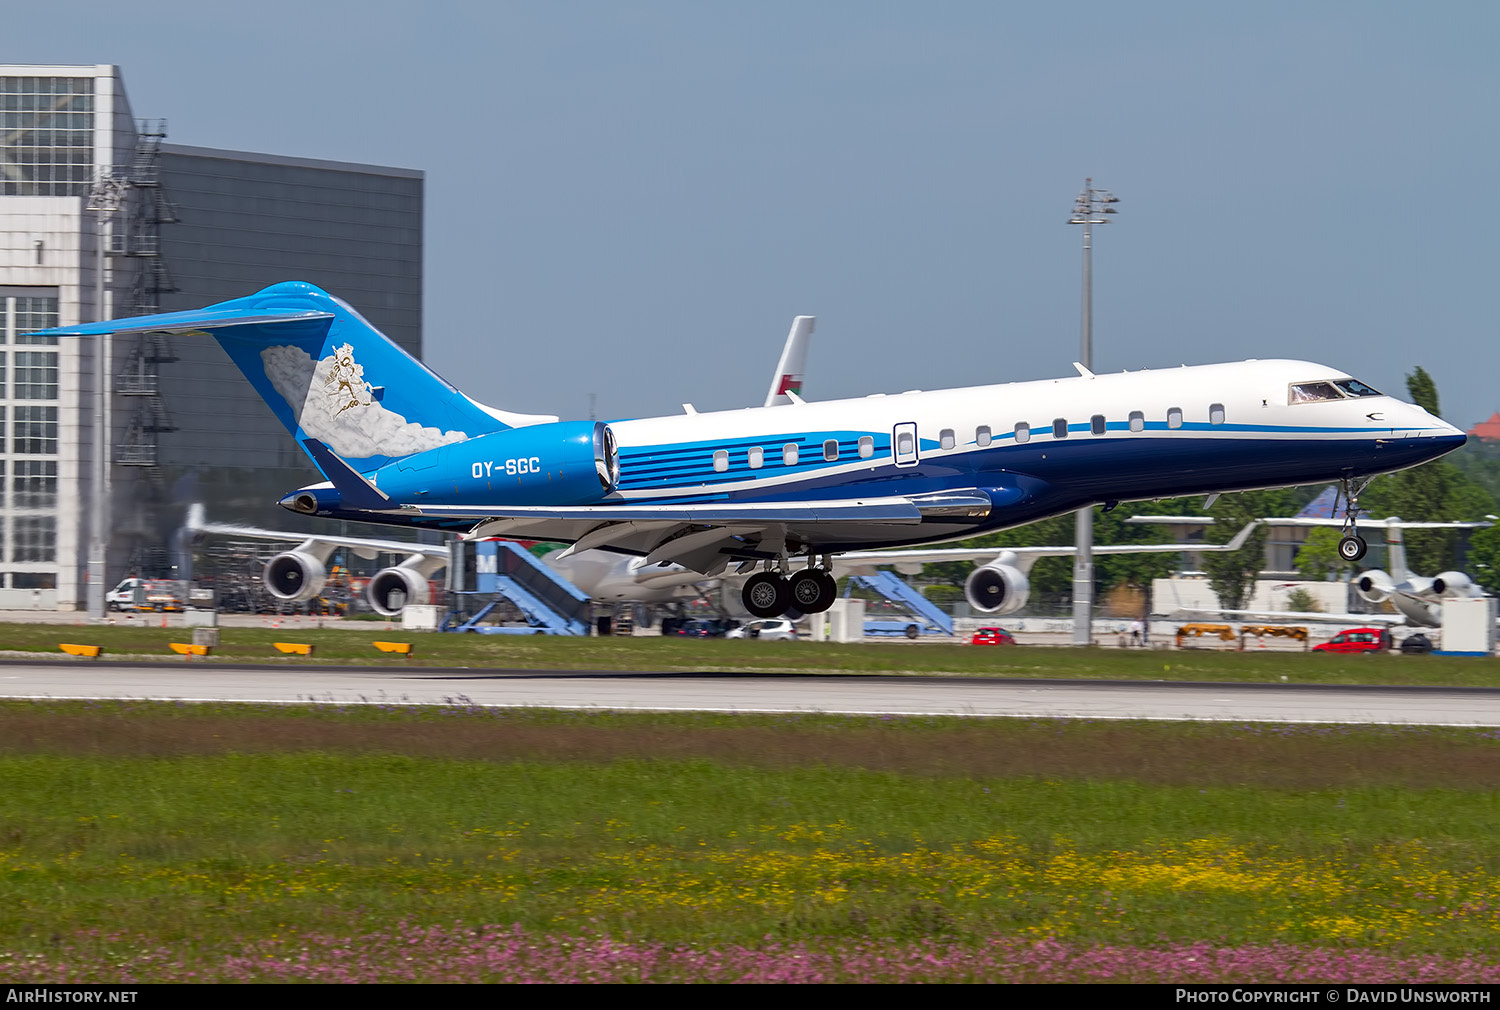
[
  {"x": 992, "y": 636},
  {"x": 1357, "y": 640}
]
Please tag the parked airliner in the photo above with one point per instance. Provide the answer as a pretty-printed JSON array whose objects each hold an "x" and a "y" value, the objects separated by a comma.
[{"x": 761, "y": 486}]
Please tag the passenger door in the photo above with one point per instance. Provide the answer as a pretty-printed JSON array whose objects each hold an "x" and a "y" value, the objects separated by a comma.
[{"x": 904, "y": 444}]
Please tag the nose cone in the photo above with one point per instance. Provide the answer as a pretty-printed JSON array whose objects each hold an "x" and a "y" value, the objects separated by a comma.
[{"x": 1440, "y": 438}]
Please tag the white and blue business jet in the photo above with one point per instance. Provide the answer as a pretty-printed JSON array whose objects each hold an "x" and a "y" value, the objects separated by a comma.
[{"x": 765, "y": 487}]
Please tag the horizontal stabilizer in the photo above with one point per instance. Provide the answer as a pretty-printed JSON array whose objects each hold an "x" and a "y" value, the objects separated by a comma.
[
  {"x": 195, "y": 320},
  {"x": 356, "y": 491}
]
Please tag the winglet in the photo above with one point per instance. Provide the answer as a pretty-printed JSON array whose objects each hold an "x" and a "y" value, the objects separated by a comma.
[{"x": 353, "y": 487}]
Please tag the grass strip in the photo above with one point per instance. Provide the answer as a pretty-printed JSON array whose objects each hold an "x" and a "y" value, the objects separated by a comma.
[{"x": 353, "y": 646}]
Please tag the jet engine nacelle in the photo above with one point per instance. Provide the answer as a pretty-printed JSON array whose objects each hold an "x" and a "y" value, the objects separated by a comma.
[
  {"x": 1374, "y": 586},
  {"x": 294, "y": 576},
  {"x": 997, "y": 589},
  {"x": 1453, "y": 584},
  {"x": 386, "y": 583}
]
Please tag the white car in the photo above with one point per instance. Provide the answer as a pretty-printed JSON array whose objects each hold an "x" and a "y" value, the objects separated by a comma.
[{"x": 774, "y": 629}]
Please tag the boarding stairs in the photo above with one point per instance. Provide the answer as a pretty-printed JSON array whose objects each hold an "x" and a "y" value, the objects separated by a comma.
[
  {"x": 550, "y": 604},
  {"x": 923, "y": 610}
]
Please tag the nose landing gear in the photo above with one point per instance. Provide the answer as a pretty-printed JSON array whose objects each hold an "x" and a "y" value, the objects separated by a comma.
[{"x": 1352, "y": 546}]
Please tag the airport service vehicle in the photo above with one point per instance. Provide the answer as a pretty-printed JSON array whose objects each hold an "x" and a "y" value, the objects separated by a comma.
[
  {"x": 992, "y": 636},
  {"x": 1357, "y": 640},
  {"x": 155, "y": 595},
  {"x": 781, "y": 491},
  {"x": 772, "y": 629}
]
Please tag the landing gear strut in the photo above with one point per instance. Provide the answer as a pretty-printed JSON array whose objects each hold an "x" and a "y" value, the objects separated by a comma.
[{"x": 1352, "y": 546}]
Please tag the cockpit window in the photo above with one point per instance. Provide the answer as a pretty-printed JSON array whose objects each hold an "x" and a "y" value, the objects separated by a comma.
[
  {"x": 1353, "y": 387},
  {"x": 1312, "y": 392}
]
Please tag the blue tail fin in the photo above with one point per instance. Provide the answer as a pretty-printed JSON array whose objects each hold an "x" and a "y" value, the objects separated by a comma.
[{"x": 329, "y": 375}]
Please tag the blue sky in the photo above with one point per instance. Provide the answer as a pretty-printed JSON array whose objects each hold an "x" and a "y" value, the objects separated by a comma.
[{"x": 633, "y": 199}]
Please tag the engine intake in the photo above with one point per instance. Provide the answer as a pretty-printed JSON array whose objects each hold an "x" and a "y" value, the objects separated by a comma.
[
  {"x": 997, "y": 588},
  {"x": 386, "y": 584},
  {"x": 1374, "y": 586},
  {"x": 1452, "y": 584},
  {"x": 294, "y": 576}
]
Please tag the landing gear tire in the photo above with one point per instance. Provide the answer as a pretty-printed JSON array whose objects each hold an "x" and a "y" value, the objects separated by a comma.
[
  {"x": 812, "y": 592},
  {"x": 1352, "y": 548},
  {"x": 766, "y": 594}
]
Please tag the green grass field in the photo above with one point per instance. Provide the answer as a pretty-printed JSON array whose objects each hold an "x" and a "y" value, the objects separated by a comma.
[
  {"x": 207, "y": 831},
  {"x": 353, "y": 646}
]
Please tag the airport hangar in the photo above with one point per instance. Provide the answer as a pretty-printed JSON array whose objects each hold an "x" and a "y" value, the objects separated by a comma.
[{"x": 190, "y": 226}]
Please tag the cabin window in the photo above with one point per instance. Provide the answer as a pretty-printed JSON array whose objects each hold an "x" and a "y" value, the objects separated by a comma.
[
  {"x": 1097, "y": 425},
  {"x": 757, "y": 457},
  {"x": 1137, "y": 421},
  {"x": 866, "y": 447},
  {"x": 1313, "y": 392},
  {"x": 906, "y": 444},
  {"x": 982, "y": 435},
  {"x": 721, "y": 460},
  {"x": 1174, "y": 417},
  {"x": 789, "y": 454},
  {"x": 946, "y": 438},
  {"x": 831, "y": 449},
  {"x": 1023, "y": 432},
  {"x": 1215, "y": 413},
  {"x": 1060, "y": 428}
]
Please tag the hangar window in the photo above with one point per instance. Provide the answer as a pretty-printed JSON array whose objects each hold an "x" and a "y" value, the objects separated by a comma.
[
  {"x": 1023, "y": 432},
  {"x": 1060, "y": 428},
  {"x": 34, "y": 431},
  {"x": 1174, "y": 417},
  {"x": 789, "y": 454},
  {"x": 34, "y": 539},
  {"x": 1215, "y": 413},
  {"x": 757, "y": 457},
  {"x": 947, "y": 439},
  {"x": 721, "y": 460},
  {"x": 1137, "y": 421},
  {"x": 1097, "y": 425},
  {"x": 866, "y": 447},
  {"x": 982, "y": 435},
  {"x": 35, "y": 484},
  {"x": 36, "y": 375},
  {"x": 831, "y": 449}
]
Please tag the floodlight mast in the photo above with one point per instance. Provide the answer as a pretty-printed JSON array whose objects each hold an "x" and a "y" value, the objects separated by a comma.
[
  {"x": 106, "y": 197},
  {"x": 1089, "y": 209}
]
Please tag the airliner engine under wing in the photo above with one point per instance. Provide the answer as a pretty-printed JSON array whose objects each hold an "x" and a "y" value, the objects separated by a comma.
[{"x": 759, "y": 486}]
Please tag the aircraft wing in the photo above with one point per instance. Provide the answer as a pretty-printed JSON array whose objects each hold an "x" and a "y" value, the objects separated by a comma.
[
  {"x": 917, "y": 558},
  {"x": 1308, "y": 616},
  {"x": 365, "y": 547}
]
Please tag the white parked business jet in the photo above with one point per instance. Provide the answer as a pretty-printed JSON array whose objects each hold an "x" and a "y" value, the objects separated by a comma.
[{"x": 763, "y": 486}]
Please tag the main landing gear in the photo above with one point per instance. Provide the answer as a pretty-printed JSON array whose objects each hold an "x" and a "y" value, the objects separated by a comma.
[
  {"x": 771, "y": 594},
  {"x": 1352, "y": 546}
]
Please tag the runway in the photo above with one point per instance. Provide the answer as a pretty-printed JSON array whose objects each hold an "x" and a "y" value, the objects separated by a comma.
[{"x": 867, "y": 695}]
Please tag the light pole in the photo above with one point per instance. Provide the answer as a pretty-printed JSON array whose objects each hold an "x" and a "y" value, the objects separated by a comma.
[
  {"x": 106, "y": 197},
  {"x": 1088, "y": 210}
]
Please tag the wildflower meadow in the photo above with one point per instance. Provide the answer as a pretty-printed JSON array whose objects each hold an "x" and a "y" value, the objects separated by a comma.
[{"x": 153, "y": 842}]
